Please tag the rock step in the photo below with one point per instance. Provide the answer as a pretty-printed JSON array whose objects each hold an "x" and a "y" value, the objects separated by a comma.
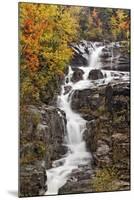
[{"x": 78, "y": 182}]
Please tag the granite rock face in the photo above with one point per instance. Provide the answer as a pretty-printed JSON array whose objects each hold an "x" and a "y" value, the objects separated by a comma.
[
  {"x": 107, "y": 136},
  {"x": 116, "y": 58},
  {"x": 80, "y": 54},
  {"x": 41, "y": 138},
  {"x": 32, "y": 180},
  {"x": 55, "y": 122}
]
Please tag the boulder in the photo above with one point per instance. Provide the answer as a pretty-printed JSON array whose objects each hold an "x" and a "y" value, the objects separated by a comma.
[
  {"x": 77, "y": 75},
  {"x": 67, "y": 89},
  {"x": 95, "y": 74}
]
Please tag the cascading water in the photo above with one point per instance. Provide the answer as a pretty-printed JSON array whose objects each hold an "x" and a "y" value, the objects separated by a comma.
[
  {"x": 94, "y": 58},
  {"x": 77, "y": 154},
  {"x": 111, "y": 55}
]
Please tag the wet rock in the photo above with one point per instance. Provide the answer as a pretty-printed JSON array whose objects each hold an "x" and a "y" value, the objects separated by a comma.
[
  {"x": 78, "y": 182},
  {"x": 80, "y": 56},
  {"x": 88, "y": 101},
  {"x": 124, "y": 60},
  {"x": 54, "y": 137},
  {"x": 95, "y": 74},
  {"x": 121, "y": 89},
  {"x": 81, "y": 53},
  {"x": 77, "y": 75},
  {"x": 117, "y": 62},
  {"x": 123, "y": 67},
  {"x": 109, "y": 97},
  {"x": 91, "y": 103},
  {"x": 79, "y": 60},
  {"x": 116, "y": 67},
  {"x": 81, "y": 98},
  {"x": 106, "y": 53},
  {"x": 67, "y": 89}
]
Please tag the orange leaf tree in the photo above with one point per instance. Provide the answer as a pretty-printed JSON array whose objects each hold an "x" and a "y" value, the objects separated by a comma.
[{"x": 45, "y": 34}]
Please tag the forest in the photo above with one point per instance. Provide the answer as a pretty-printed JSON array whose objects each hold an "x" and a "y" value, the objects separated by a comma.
[{"x": 46, "y": 32}]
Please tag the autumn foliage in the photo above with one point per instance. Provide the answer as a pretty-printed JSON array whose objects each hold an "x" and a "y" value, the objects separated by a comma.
[{"x": 45, "y": 34}]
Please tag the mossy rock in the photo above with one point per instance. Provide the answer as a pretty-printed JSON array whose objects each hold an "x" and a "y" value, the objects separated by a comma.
[{"x": 105, "y": 179}]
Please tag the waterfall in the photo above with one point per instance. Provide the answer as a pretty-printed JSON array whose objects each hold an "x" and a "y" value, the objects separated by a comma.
[
  {"x": 77, "y": 155},
  {"x": 94, "y": 58}
]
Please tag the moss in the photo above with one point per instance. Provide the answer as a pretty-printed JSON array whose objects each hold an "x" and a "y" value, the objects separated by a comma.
[
  {"x": 102, "y": 110},
  {"x": 118, "y": 118},
  {"x": 85, "y": 110},
  {"x": 118, "y": 153},
  {"x": 105, "y": 179},
  {"x": 120, "y": 150},
  {"x": 35, "y": 152},
  {"x": 40, "y": 149},
  {"x": 36, "y": 117},
  {"x": 29, "y": 117},
  {"x": 125, "y": 46},
  {"x": 29, "y": 158}
]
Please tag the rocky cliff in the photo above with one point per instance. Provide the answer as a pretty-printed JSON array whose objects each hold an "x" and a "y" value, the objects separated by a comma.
[
  {"x": 41, "y": 142},
  {"x": 108, "y": 138},
  {"x": 106, "y": 108}
]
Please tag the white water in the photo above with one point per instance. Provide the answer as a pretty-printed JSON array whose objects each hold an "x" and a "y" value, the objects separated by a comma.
[{"x": 77, "y": 153}]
